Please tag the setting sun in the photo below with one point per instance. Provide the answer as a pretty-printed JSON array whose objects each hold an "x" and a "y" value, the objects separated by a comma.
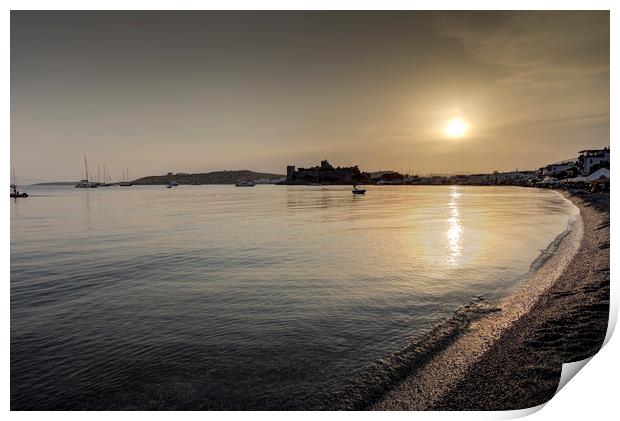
[
  {"x": 456, "y": 127},
  {"x": 406, "y": 208}
]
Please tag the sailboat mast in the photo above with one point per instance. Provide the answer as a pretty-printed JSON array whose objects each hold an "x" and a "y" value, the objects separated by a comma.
[{"x": 86, "y": 167}]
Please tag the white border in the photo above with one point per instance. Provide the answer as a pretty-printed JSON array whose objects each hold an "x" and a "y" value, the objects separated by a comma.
[{"x": 590, "y": 395}]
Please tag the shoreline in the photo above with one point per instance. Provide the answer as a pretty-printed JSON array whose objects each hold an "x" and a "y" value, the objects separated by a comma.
[
  {"x": 568, "y": 323},
  {"x": 508, "y": 354}
]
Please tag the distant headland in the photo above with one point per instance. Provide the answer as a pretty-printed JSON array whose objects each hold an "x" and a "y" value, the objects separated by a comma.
[{"x": 215, "y": 177}]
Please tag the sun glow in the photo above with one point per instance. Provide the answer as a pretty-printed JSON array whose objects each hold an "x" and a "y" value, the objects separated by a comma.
[{"x": 455, "y": 128}]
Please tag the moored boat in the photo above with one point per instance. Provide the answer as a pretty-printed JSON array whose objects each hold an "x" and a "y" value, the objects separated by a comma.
[
  {"x": 15, "y": 193},
  {"x": 357, "y": 189},
  {"x": 86, "y": 184},
  {"x": 125, "y": 182},
  {"x": 244, "y": 183}
]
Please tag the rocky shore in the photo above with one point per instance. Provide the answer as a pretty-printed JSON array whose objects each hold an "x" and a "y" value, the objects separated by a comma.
[{"x": 512, "y": 358}]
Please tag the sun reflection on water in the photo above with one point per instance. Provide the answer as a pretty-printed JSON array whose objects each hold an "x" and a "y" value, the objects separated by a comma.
[{"x": 454, "y": 233}]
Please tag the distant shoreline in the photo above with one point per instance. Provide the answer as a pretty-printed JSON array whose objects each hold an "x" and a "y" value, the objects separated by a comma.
[
  {"x": 230, "y": 183},
  {"x": 53, "y": 183}
]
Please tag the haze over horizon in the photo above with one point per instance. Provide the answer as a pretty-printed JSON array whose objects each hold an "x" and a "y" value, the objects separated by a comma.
[{"x": 430, "y": 92}]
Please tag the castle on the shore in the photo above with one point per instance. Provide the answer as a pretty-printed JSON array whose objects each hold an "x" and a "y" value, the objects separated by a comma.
[{"x": 324, "y": 173}]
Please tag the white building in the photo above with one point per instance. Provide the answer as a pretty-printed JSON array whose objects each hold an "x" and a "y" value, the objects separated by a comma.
[
  {"x": 590, "y": 157},
  {"x": 600, "y": 173},
  {"x": 558, "y": 167}
]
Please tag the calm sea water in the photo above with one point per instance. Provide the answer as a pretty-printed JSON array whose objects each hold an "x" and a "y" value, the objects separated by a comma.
[{"x": 218, "y": 297}]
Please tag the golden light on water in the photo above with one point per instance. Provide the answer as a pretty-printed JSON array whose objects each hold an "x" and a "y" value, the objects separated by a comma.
[
  {"x": 456, "y": 127},
  {"x": 454, "y": 233}
]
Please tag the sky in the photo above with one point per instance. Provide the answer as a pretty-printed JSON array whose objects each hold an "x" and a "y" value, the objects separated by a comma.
[{"x": 203, "y": 91}]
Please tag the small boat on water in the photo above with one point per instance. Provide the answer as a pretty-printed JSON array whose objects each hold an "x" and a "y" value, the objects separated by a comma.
[
  {"x": 125, "y": 182},
  {"x": 85, "y": 184},
  {"x": 357, "y": 189},
  {"x": 244, "y": 183},
  {"x": 107, "y": 180},
  {"x": 172, "y": 184},
  {"x": 14, "y": 192}
]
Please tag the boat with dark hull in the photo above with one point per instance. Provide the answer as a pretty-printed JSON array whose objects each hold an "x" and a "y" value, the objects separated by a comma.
[
  {"x": 14, "y": 192},
  {"x": 358, "y": 189},
  {"x": 125, "y": 182},
  {"x": 86, "y": 184}
]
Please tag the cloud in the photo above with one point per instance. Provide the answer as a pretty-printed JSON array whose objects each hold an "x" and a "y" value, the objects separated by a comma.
[
  {"x": 528, "y": 45},
  {"x": 536, "y": 50}
]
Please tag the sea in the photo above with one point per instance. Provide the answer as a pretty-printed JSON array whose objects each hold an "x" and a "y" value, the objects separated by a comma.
[{"x": 266, "y": 297}]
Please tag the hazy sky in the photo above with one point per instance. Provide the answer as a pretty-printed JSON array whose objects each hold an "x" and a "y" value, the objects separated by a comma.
[{"x": 203, "y": 91}]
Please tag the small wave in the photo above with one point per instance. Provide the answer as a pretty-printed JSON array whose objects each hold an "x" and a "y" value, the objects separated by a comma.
[
  {"x": 553, "y": 247},
  {"x": 370, "y": 386}
]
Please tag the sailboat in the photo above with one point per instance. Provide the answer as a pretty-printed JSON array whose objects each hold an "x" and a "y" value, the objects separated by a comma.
[
  {"x": 125, "y": 182},
  {"x": 85, "y": 184},
  {"x": 107, "y": 182},
  {"x": 14, "y": 192}
]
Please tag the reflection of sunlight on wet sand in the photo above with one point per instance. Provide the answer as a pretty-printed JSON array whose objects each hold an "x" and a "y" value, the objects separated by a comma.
[{"x": 454, "y": 233}]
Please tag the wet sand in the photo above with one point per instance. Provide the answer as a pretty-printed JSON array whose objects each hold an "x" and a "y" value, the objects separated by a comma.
[{"x": 509, "y": 354}]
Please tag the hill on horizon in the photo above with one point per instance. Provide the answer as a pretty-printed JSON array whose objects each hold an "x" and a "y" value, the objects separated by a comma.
[{"x": 214, "y": 177}]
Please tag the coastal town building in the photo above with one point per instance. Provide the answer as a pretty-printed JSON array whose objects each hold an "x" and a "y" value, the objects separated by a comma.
[
  {"x": 324, "y": 173},
  {"x": 552, "y": 170},
  {"x": 589, "y": 171},
  {"x": 514, "y": 178},
  {"x": 592, "y": 159},
  {"x": 576, "y": 171},
  {"x": 598, "y": 174}
]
